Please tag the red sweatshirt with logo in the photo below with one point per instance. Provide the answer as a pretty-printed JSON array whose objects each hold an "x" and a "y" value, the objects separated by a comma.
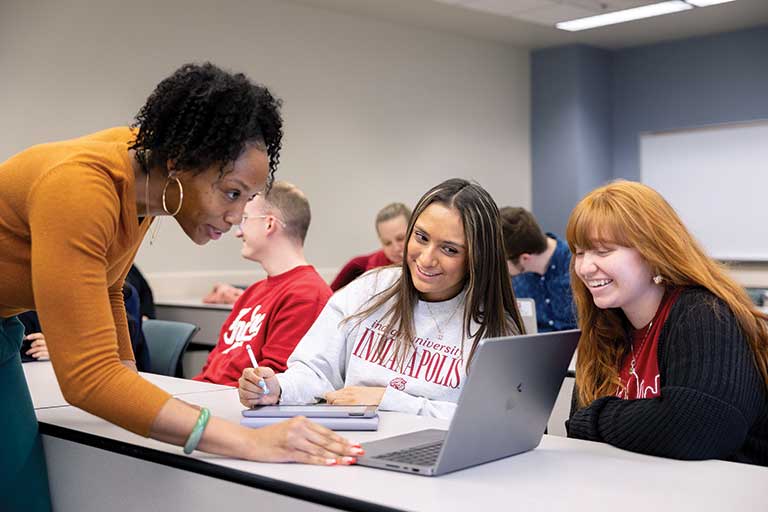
[{"x": 271, "y": 316}]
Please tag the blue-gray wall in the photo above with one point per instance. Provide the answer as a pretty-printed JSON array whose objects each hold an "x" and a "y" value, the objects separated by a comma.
[
  {"x": 570, "y": 130},
  {"x": 589, "y": 107}
]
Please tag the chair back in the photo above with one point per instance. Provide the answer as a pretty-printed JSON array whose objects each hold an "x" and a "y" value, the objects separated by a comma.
[
  {"x": 167, "y": 342},
  {"x": 527, "y": 308}
]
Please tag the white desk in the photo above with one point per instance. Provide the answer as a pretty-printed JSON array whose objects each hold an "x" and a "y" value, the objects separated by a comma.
[
  {"x": 208, "y": 317},
  {"x": 46, "y": 392},
  {"x": 560, "y": 474}
]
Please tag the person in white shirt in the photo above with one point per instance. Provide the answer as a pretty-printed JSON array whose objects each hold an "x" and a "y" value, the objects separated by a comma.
[{"x": 403, "y": 338}]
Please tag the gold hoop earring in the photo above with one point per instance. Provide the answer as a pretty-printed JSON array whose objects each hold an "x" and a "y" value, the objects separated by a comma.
[{"x": 181, "y": 195}]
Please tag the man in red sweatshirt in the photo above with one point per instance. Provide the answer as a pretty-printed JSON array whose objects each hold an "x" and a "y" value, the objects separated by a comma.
[{"x": 273, "y": 314}]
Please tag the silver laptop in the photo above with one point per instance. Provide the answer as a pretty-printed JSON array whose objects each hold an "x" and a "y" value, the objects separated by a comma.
[
  {"x": 527, "y": 308},
  {"x": 502, "y": 410}
]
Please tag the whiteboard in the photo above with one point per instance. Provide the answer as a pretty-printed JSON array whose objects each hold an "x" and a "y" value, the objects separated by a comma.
[{"x": 717, "y": 179}]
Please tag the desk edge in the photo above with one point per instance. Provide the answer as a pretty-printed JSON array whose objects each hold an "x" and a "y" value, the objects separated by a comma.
[{"x": 201, "y": 467}]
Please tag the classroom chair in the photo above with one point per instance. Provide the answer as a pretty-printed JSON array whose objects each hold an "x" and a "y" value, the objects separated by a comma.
[{"x": 167, "y": 341}]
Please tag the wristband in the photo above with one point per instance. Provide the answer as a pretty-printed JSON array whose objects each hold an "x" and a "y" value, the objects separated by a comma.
[{"x": 197, "y": 431}]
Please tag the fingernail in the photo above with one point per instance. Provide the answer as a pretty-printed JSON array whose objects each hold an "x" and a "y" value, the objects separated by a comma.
[
  {"x": 330, "y": 462},
  {"x": 357, "y": 451},
  {"x": 348, "y": 460}
]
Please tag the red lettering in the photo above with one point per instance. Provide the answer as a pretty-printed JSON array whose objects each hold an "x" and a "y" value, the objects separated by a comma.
[
  {"x": 387, "y": 342},
  {"x": 435, "y": 365},
  {"x": 410, "y": 366},
  {"x": 447, "y": 376},
  {"x": 456, "y": 373},
  {"x": 366, "y": 341},
  {"x": 393, "y": 362},
  {"x": 426, "y": 356}
]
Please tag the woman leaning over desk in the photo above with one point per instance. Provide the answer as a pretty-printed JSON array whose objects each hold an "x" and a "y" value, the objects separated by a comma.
[
  {"x": 72, "y": 216},
  {"x": 673, "y": 356}
]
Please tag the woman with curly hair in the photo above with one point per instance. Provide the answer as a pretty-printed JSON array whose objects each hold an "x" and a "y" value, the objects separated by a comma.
[
  {"x": 72, "y": 216},
  {"x": 673, "y": 356}
]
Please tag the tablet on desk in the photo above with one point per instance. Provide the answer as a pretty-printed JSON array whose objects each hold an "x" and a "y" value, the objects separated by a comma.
[
  {"x": 335, "y": 417},
  {"x": 311, "y": 411}
]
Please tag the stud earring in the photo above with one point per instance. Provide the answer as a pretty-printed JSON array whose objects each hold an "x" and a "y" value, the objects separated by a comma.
[{"x": 658, "y": 279}]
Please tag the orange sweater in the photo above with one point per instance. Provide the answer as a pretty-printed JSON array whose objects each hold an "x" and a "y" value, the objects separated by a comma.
[{"x": 69, "y": 231}]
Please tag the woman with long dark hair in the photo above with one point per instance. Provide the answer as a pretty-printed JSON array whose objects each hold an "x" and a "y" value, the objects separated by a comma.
[{"x": 403, "y": 337}]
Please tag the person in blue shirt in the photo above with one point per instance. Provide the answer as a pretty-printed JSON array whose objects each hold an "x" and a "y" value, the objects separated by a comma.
[{"x": 538, "y": 264}]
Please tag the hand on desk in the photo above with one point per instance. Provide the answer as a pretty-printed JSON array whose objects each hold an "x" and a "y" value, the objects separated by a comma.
[
  {"x": 355, "y": 395},
  {"x": 300, "y": 440},
  {"x": 250, "y": 391},
  {"x": 38, "y": 349},
  {"x": 297, "y": 439},
  {"x": 223, "y": 293}
]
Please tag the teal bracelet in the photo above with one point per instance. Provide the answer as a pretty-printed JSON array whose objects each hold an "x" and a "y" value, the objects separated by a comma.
[{"x": 197, "y": 432}]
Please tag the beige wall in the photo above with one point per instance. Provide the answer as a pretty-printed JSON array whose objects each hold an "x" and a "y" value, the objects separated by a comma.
[{"x": 375, "y": 112}]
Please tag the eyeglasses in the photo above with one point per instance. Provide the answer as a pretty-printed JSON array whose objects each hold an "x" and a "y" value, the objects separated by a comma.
[{"x": 246, "y": 217}]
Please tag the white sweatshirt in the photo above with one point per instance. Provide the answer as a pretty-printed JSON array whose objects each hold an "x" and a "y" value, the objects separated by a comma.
[{"x": 333, "y": 355}]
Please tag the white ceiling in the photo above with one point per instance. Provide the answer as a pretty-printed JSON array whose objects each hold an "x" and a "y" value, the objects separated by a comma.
[{"x": 529, "y": 23}]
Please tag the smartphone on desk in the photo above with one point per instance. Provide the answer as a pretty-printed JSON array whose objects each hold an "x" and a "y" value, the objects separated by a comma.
[{"x": 311, "y": 411}]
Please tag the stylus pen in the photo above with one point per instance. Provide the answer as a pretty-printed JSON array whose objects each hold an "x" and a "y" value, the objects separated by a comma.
[{"x": 256, "y": 365}]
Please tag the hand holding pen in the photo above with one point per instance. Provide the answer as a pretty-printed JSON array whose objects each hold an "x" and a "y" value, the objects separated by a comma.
[
  {"x": 258, "y": 385},
  {"x": 255, "y": 364}
]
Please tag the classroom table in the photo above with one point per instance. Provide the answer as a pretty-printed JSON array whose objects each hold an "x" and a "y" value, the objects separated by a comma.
[
  {"x": 46, "y": 393},
  {"x": 94, "y": 465}
]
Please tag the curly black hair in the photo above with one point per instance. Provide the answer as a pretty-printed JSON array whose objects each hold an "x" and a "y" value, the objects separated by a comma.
[{"x": 202, "y": 115}]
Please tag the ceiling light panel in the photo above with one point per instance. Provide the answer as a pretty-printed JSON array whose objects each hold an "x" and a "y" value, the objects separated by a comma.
[
  {"x": 707, "y": 3},
  {"x": 636, "y": 13}
]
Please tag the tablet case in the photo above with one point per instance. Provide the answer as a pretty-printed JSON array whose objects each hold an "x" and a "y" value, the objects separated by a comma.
[
  {"x": 352, "y": 418},
  {"x": 350, "y": 424}
]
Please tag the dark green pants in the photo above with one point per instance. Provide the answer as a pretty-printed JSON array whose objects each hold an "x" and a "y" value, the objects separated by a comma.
[{"x": 23, "y": 476}]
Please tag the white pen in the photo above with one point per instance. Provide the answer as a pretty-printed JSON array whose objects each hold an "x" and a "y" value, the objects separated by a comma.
[{"x": 256, "y": 365}]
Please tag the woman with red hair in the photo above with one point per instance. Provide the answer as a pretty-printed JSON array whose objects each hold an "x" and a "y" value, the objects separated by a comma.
[{"x": 673, "y": 356}]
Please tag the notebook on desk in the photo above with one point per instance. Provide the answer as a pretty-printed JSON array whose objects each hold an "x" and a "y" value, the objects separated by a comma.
[{"x": 502, "y": 410}]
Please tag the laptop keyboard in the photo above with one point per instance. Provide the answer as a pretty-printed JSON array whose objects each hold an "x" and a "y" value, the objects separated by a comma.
[{"x": 424, "y": 455}]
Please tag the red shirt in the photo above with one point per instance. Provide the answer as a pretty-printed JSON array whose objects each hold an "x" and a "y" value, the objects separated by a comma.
[
  {"x": 644, "y": 380},
  {"x": 357, "y": 267},
  {"x": 272, "y": 316}
]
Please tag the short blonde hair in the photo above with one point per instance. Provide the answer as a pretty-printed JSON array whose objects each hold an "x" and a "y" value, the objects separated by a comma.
[{"x": 293, "y": 208}]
